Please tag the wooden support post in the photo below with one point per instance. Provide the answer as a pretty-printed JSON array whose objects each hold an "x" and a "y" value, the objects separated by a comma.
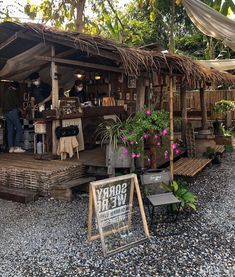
[
  {"x": 203, "y": 107},
  {"x": 183, "y": 110},
  {"x": 55, "y": 100},
  {"x": 140, "y": 94},
  {"x": 171, "y": 126},
  {"x": 140, "y": 101}
]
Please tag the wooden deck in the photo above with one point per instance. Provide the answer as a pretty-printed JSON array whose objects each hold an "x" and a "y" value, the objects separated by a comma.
[
  {"x": 219, "y": 149},
  {"x": 189, "y": 166},
  {"x": 93, "y": 157},
  {"x": 23, "y": 171}
]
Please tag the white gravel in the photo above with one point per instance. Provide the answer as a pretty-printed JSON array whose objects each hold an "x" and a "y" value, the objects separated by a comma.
[{"x": 49, "y": 238}]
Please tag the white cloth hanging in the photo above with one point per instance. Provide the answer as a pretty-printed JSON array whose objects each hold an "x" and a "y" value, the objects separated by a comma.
[{"x": 211, "y": 22}]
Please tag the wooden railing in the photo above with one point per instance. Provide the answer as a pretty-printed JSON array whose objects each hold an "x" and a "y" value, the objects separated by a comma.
[{"x": 193, "y": 100}]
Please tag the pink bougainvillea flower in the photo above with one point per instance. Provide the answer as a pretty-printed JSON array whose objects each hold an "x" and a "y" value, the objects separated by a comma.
[
  {"x": 174, "y": 146},
  {"x": 164, "y": 132},
  {"x": 155, "y": 136},
  {"x": 145, "y": 136},
  {"x": 125, "y": 151},
  {"x": 133, "y": 155},
  {"x": 137, "y": 155},
  {"x": 124, "y": 139},
  {"x": 159, "y": 143},
  {"x": 177, "y": 151},
  {"x": 166, "y": 154},
  {"x": 148, "y": 112}
]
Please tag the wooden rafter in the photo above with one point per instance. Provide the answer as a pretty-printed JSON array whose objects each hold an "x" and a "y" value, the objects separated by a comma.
[{"x": 80, "y": 63}]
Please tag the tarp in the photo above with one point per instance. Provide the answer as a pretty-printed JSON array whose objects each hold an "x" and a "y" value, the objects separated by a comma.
[
  {"x": 211, "y": 22},
  {"x": 221, "y": 65}
]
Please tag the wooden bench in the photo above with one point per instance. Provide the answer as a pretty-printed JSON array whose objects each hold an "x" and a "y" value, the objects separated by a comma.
[
  {"x": 189, "y": 166},
  {"x": 64, "y": 191},
  {"x": 219, "y": 149},
  {"x": 18, "y": 195}
]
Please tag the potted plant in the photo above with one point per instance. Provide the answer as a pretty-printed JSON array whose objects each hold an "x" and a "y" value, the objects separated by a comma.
[
  {"x": 221, "y": 108},
  {"x": 143, "y": 127}
]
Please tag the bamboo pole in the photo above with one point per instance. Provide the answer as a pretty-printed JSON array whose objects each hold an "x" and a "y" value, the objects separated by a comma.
[{"x": 171, "y": 126}]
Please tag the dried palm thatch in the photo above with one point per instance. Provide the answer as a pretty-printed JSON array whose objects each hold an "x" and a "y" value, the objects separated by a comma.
[{"x": 133, "y": 60}]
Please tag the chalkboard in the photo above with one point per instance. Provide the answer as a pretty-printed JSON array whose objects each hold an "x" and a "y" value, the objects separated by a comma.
[{"x": 120, "y": 217}]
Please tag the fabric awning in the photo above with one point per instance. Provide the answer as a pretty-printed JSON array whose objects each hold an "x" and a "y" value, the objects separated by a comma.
[
  {"x": 211, "y": 22},
  {"x": 221, "y": 65}
]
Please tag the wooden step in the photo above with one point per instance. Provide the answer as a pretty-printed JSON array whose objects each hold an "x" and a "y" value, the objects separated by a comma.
[
  {"x": 74, "y": 183},
  {"x": 18, "y": 195},
  {"x": 64, "y": 191}
]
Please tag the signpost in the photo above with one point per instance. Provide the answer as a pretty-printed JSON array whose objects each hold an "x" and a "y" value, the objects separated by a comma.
[{"x": 121, "y": 220}]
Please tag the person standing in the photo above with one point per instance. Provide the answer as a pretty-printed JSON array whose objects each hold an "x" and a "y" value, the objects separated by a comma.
[
  {"x": 78, "y": 91},
  {"x": 40, "y": 93},
  {"x": 11, "y": 110}
]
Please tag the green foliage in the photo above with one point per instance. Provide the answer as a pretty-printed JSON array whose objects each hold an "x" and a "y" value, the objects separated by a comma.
[
  {"x": 210, "y": 152},
  {"x": 180, "y": 190},
  {"x": 133, "y": 131},
  {"x": 228, "y": 148},
  {"x": 224, "y": 106}
]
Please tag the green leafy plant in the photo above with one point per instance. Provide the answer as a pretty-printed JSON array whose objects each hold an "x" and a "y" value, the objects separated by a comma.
[
  {"x": 180, "y": 190},
  {"x": 228, "y": 148},
  {"x": 223, "y": 106},
  {"x": 209, "y": 153}
]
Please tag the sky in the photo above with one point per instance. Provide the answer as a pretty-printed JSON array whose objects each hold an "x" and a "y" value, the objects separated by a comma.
[
  {"x": 4, "y": 3},
  {"x": 23, "y": 3}
]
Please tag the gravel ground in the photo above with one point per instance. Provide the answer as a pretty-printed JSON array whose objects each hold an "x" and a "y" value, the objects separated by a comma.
[{"x": 49, "y": 238}]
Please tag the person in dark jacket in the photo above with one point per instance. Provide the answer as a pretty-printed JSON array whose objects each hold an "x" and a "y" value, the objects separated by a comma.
[
  {"x": 78, "y": 91},
  {"x": 40, "y": 92},
  {"x": 11, "y": 109}
]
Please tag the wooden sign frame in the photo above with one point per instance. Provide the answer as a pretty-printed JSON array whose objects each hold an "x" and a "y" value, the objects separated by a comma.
[{"x": 93, "y": 203}]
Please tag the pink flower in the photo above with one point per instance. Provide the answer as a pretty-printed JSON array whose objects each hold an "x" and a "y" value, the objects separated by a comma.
[
  {"x": 166, "y": 154},
  {"x": 164, "y": 132},
  {"x": 125, "y": 151},
  {"x": 137, "y": 155},
  {"x": 177, "y": 151},
  {"x": 148, "y": 112},
  {"x": 133, "y": 155},
  {"x": 155, "y": 136},
  {"x": 174, "y": 146},
  {"x": 145, "y": 136},
  {"x": 132, "y": 142},
  {"x": 159, "y": 143},
  {"x": 124, "y": 139}
]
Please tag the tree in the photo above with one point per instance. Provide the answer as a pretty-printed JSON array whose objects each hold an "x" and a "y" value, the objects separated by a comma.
[{"x": 61, "y": 13}]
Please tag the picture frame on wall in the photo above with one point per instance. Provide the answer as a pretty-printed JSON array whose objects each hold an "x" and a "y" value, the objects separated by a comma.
[{"x": 131, "y": 82}]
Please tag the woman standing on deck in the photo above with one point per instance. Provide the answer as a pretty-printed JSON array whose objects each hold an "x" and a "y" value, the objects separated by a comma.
[{"x": 11, "y": 112}]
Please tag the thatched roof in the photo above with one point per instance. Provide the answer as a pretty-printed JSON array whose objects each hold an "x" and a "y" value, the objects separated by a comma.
[{"x": 130, "y": 60}]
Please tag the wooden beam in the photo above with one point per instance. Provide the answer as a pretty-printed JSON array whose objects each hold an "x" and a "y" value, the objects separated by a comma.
[
  {"x": 171, "y": 108},
  {"x": 98, "y": 52},
  {"x": 203, "y": 107},
  {"x": 32, "y": 66},
  {"x": 183, "y": 103},
  {"x": 9, "y": 41},
  {"x": 140, "y": 101},
  {"x": 55, "y": 100},
  {"x": 80, "y": 63}
]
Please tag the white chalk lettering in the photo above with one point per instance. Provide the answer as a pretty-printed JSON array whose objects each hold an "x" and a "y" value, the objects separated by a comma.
[
  {"x": 124, "y": 186},
  {"x": 121, "y": 199}
]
